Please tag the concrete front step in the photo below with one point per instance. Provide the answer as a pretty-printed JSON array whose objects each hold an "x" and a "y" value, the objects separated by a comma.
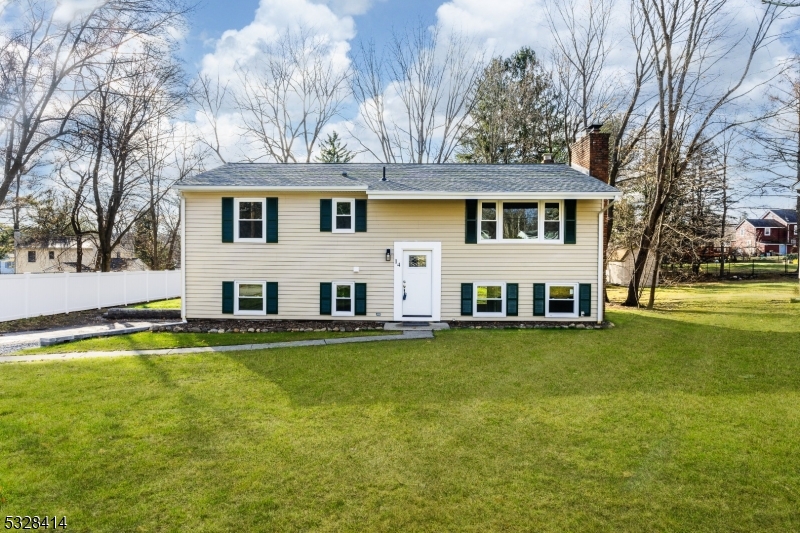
[{"x": 415, "y": 326}]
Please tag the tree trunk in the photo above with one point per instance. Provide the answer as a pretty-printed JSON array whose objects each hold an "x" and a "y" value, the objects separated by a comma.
[{"x": 654, "y": 282}]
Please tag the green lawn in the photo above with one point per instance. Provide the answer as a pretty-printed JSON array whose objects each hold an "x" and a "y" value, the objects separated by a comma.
[
  {"x": 681, "y": 419},
  {"x": 155, "y": 341},
  {"x": 174, "y": 303}
]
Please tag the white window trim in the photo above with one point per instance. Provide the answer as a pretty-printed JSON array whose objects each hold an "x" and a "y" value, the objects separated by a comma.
[
  {"x": 499, "y": 220},
  {"x": 576, "y": 293},
  {"x": 236, "y": 310},
  {"x": 263, "y": 202},
  {"x": 352, "y": 285},
  {"x": 475, "y": 286},
  {"x": 767, "y": 232},
  {"x": 352, "y": 202}
]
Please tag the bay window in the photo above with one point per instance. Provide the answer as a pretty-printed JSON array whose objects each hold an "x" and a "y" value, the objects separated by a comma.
[{"x": 529, "y": 221}]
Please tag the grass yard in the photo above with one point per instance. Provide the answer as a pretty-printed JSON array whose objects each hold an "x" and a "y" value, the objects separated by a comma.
[
  {"x": 681, "y": 419},
  {"x": 155, "y": 341},
  {"x": 174, "y": 303}
]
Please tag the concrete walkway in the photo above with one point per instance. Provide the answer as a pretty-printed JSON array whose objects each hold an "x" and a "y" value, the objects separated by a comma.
[
  {"x": 11, "y": 342},
  {"x": 407, "y": 335}
]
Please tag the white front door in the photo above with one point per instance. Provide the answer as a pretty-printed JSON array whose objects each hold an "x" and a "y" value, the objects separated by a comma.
[{"x": 417, "y": 279}]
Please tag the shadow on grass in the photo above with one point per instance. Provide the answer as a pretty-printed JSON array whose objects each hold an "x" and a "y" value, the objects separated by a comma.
[{"x": 643, "y": 354}]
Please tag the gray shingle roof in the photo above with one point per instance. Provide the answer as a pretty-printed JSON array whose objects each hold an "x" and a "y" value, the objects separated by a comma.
[
  {"x": 765, "y": 223},
  {"x": 789, "y": 215},
  {"x": 409, "y": 178}
]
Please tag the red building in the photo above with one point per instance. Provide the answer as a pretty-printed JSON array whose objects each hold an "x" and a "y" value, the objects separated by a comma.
[{"x": 775, "y": 233}]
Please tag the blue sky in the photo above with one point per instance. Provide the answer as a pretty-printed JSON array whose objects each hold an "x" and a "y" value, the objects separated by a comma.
[
  {"x": 498, "y": 26},
  {"x": 213, "y": 17}
]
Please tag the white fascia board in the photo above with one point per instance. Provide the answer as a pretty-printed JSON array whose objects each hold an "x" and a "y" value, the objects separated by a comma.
[
  {"x": 392, "y": 195},
  {"x": 235, "y": 188}
]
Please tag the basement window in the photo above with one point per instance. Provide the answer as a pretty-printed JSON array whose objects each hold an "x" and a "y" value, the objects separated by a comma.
[
  {"x": 489, "y": 299},
  {"x": 343, "y": 299},
  {"x": 562, "y": 300},
  {"x": 250, "y": 298}
]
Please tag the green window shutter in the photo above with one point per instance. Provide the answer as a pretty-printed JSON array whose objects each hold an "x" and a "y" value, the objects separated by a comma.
[
  {"x": 512, "y": 299},
  {"x": 466, "y": 298},
  {"x": 325, "y": 298},
  {"x": 471, "y": 223},
  {"x": 570, "y": 218},
  {"x": 585, "y": 292},
  {"x": 361, "y": 215},
  {"x": 361, "y": 299},
  {"x": 272, "y": 220},
  {"x": 325, "y": 207},
  {"x": 227, "y": 220},
  {"x": 272, "y": 297},
  {"x": 538, "y": 299},
  {"x": 227, "y": 297}
]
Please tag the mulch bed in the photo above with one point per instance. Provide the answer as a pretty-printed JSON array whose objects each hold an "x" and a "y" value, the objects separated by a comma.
[
  {"x": 466, "y": 324},
  {"x": 262, "y": 326}
]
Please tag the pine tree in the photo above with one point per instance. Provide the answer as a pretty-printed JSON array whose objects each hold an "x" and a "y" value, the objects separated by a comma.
[{"x": 333, "y": 151}]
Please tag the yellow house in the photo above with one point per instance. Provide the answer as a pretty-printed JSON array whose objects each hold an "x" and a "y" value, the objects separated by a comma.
[{"x": 397, "y": 242}]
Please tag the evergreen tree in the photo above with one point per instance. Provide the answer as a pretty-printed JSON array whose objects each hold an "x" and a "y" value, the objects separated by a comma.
[
  {"x": 333, "y": 151},
  {"x": 516, "y": 115}
]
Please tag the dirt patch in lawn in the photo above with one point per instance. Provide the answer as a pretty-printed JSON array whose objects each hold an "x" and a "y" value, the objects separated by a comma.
[{"x": 76, "y": 319}]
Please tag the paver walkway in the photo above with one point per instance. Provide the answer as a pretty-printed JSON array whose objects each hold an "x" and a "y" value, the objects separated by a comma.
[
  {"x": 407, "y": 335},
  {"x": 11, "y": 342}
]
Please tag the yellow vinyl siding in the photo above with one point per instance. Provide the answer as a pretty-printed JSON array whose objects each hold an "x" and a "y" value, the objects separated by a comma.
[{"x": 304, "y": 256}]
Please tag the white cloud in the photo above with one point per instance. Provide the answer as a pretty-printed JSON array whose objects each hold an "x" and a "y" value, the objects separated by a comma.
[{"x": 273, "y": 18}]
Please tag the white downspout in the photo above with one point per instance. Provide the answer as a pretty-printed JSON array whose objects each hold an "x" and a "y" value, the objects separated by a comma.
[
  {"x": 183, "y": 258},
  {"x": 601, "y": 262}
]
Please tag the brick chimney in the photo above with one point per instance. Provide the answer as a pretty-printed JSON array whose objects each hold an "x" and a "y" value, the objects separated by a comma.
[{"x": 590, "y": 153}]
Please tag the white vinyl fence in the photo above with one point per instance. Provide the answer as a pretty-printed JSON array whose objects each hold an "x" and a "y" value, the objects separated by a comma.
[{"x": 28, "y": 295}]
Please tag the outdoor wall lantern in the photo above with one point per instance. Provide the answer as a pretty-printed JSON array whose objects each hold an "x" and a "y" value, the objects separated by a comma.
[{"x": 388, "y": 254}]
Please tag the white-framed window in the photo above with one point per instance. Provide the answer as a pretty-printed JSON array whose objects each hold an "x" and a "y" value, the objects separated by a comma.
[
  {"x": 741, "y": 232},
  {"x": 561, "y": 300},
  {"x": 767, "y": 231},
  {"x": 489, "y": 299},
  {"x": 531, "y": 221},
  {"x": 344, "y": 298},
  {"x": 250, "y": 224},
  {"x": 250, "y": 298},
  {"x": 31, "y": 256},
  {"x": 344, "y": 215}
]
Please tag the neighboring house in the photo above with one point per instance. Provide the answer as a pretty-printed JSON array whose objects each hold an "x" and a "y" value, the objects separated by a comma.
[
  {"x": 398, "y": 242},
  {"x": 61, "y": 256},
  {"x": 773, "y": 234},
  {"x": 619, "y": 269},
  {"x": 7, "y": 265},
  {"x": 787, "y": 217}
]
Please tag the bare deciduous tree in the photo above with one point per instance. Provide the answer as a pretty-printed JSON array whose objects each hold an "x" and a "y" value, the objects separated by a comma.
[
  {"x": 136, "y": 93},
  {"x": 211, "y": 97},
  {"x": 44, "y": 62},
  {"x": 687, "y": 40},
  {"x": 433, "y": 79},
  {"x": 286, "y": 101}
]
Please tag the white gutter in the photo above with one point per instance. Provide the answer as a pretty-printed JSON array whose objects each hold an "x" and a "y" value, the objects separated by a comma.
[
  {"x": 600, "y": 263},
  {"x": 183, "y": 258},
  {"x": 235, "y": 188},
  {"x": 394, "y": 195}
]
